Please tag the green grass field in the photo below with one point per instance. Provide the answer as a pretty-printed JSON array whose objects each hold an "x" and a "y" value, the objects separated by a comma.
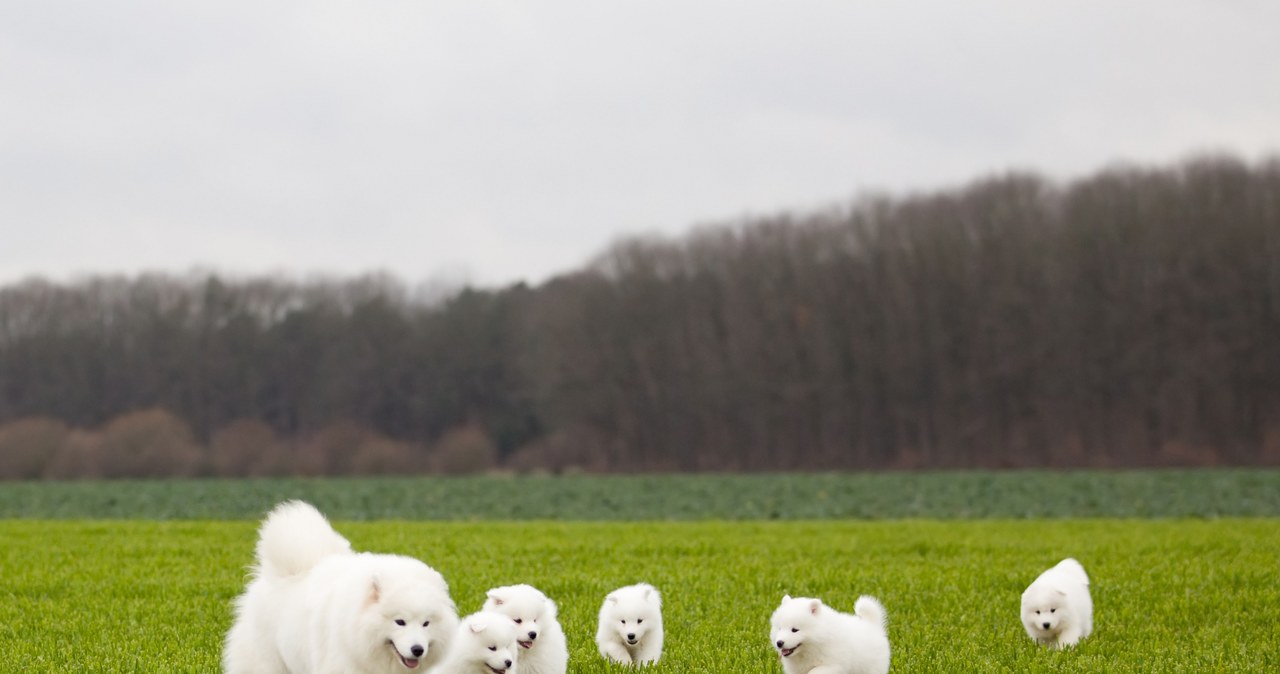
[{"x": 131, "y": 587}]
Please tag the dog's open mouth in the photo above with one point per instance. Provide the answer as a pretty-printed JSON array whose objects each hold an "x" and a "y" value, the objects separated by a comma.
[
  {"x": 788, "y": 651},
  {"x": 410, "y": 663},
  {"x": 633, "y": 642},
  {"x": 525, "y": 644},
  {"x": 495, "y": 670}
]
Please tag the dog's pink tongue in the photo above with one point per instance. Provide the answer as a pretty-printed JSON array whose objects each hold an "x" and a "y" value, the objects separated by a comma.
[{"x": 409, "y": 662}]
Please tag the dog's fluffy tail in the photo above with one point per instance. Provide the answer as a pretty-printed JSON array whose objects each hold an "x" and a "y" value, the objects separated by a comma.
[
  {"x": 1072, "y": 570},
  {"x": 293, "y": 538},
  {"x": 871, "y": 610}
]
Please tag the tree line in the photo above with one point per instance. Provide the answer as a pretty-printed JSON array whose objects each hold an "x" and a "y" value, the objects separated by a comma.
[{"x": 1129, "y": 318}]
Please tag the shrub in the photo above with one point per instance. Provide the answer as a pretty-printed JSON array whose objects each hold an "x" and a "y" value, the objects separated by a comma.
[
  {"x": 378, "y": 455},
  {"x": 329, "y": 451},
  {"x": 148, "y": 443},
  {"x": 464, "y": 451},
  {"x": 28, "y": 446},
  {"x": 249, "y": 448}
]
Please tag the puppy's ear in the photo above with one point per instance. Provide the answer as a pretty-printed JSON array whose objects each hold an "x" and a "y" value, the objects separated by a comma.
[
  {"x": 497, "y": 599},
  {"x": 476, "y": 626},
  {"x": 815, "y": 605},
  {"x": 375, "y": 590},
  {"x": 611, "y": 597},
  {"x": 786, "y": 597}
]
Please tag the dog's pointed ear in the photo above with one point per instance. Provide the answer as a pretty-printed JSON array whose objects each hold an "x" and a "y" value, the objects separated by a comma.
[
  {"x": 786, "y": 597},
  {"x": 476, "y": 626},
  {"x": 375, "y": 590},
  {"x": 815, "y": 605},
  {"x": 1060, "y": 591},
  {"x": 611, "y": 597},
  {"x": 648, "y": 592},
  {"x": 497, "y": 598}
]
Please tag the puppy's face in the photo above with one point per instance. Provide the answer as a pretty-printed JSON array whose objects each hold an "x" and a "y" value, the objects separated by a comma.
[
  {"x": 632, "y": 616},
  {"x": 527, "y": 607},
  {"x": 1043, "y": 610},
  {"x": 791, "y": 622},
  {"x": 491, "y": 639}
]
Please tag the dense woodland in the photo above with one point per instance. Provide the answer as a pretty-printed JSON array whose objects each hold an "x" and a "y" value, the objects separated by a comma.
[{"x": 1131, "y": 318}]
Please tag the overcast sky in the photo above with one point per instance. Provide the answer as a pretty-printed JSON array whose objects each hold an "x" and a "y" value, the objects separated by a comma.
[{"x": 495, "y": 141}]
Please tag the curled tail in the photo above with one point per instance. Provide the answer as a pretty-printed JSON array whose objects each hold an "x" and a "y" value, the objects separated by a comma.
[
  {"x": 871, "y": 610},
  {"x": 293, "y": 538},
  {"x": 1073, "y": 570}
]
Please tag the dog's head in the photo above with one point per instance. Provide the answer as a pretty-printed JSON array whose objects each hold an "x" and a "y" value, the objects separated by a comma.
[
  {"x": 792, "y": 623},
  {"x": 488, "y": 638},
  {"x": 632, "y": 612},
  {"x": 407, "y": 617},
  {"x": 528, "y": 608},
  {"x": 1044, "y": 610}
]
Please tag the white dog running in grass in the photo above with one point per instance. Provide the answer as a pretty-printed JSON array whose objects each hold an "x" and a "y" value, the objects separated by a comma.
[
  {"x": 630, "y": 628},
  {"x": 485, "y": 643},
  {"x": 314, "y": 606},
  {"x": 542, "y": 648},
  {"x": 1057, "y": 610},
  {"x": 813, "y": 638}
]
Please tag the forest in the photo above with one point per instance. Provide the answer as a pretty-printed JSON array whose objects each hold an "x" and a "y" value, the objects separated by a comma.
[{"x": 1129, "y": 318}]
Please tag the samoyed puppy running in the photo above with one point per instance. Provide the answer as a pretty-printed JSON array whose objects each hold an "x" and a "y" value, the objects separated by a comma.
[
  {"x": 314, "y": 606},
  {"x": 542, "y": 646},
  {"x": 485, "y": 643},
  {"x": 813, "y": 637},
  {"x": 1057, "y": 610},
  {"x": 630, "y": 628}
]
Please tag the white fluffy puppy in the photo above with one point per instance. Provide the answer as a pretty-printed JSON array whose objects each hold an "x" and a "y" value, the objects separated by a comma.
[
  {"x": 1057, "y": 610},
  {"x": 813, "y": 638},
  {"x": 485, "y": 643},
  {"x": 315, "y": 606},
  {"x": 630, "y": 628},
  {"x": 543, "y": 649}
]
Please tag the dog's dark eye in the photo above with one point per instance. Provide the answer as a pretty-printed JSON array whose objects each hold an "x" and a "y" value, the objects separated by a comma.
[
  {"x": 493, "y": 648},
  {"x": 426, "y": 623},
  {"x": 519, "y": 620},
  {"x": 1053, "y": 610},
  {"x": 639, "y": 620},
  {"x": 1037, "y": 611},
  {"x": 795, "y": 629},
  {"x": 399, "y": 622}
]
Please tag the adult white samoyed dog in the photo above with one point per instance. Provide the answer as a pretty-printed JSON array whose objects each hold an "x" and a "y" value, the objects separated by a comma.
[
  {"x": 542, "y": 647},
  {"x": 630, "y": 628},
  {"x": 813, "y": 637},
  {"x": 1057, "y": 610},
  {"x": 485, "y": 643},
  {"x": 314, "y": 606}
]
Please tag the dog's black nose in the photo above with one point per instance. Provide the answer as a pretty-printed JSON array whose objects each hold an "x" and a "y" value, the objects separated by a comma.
[
  {"x": 507, "y": 662},
  {"x": 779, "y": 643},
  {"x": 417, "y": 651},
  {"x": 1046, "y": 625},
  {"x": 631, "y": 637},
  {"x": 533, "y": 635}
]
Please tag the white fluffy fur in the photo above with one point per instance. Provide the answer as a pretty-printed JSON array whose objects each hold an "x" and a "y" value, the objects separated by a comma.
[
  {"x": 314, "y": 606},
  {"x": 813, "y": 638},
  {"x": 542, "y": 647},
  {"x": 630, "y": 628},
  {"x": 485, "y": 643},
  {"x": 1057, "y": 610}
]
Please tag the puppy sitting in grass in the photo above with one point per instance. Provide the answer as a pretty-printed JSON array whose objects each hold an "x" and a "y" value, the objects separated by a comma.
[{"x": 1057, "y": 610}]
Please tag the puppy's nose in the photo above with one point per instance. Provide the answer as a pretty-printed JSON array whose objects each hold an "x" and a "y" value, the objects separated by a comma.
[
  {"x": 631, "y": 636},
  {"x": 417, "y": 651},
  {"x": 1046, "y": 625},
  {"x": 533, "y": 635},
  {"x": 507, "y": 663},
  {"x": 779, "y": 643}
]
